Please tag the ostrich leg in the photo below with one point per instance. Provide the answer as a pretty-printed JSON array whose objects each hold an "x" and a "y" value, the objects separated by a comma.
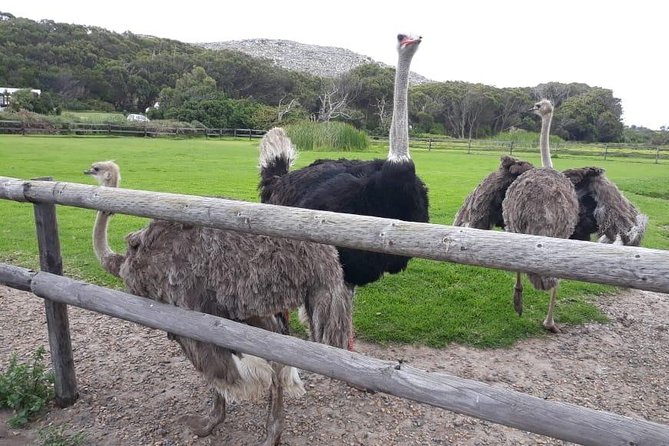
[
  {"x": 274, "y": 425},
  {"x": 549, "y": 323},
  {"x": 518, "y": 295},
  {"x": 203, "y": 426}
]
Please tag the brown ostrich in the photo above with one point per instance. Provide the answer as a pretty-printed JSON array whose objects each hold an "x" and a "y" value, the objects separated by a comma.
[
  {"x": 482, "y": 209},
  {"x": 541, "y": 202},
  {"x": 604, "y": 210},
  {"x": 243, "y": 277}
]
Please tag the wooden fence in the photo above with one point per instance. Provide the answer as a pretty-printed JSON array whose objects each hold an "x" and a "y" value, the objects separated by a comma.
[
  {"x": 144, "y": 129},
  {"x": 617, "y": 265},
  {"x": 605, "y": 151}
]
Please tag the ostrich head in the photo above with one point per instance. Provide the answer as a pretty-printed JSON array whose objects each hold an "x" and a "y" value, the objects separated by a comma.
[
  {"x": 542, "y": 108},
  {"x": 106, "y": 173},
  {"x": 407, "y": 44}
]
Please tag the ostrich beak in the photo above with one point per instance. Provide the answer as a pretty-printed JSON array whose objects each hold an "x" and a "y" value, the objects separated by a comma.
[
  {"x": 88, "y": 172},
  {"x": 410, "y": 41}
]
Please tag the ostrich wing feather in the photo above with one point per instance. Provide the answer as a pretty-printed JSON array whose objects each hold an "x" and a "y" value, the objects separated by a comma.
[
  {"x": 604, "y": 210},
  {"x": 482, "y": 209}
]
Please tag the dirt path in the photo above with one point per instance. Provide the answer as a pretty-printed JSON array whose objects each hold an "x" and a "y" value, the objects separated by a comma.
[{"x": 134, "y": 383}]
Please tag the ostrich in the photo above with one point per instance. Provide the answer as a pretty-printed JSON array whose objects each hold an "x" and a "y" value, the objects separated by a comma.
[
  {"x": 242, "y": 277},
  {"x": 541, "y": 202},
  {"x": 482, "y": 209},
  {"x": 604, "y": 210},
  {"x": 382, "y": 187}
]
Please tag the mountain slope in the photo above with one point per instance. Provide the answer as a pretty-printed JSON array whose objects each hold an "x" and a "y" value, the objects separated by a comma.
[{"x": 324, "y": 61}]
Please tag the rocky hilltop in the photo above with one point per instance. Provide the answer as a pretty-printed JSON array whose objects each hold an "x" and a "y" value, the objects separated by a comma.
[{"x": 324, "y": 61}]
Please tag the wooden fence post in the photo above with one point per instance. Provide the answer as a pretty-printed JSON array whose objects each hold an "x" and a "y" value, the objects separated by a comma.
[
  {"x": 65, "y": 385},
  {"x": 469, "y": 147},
  {"x": 511, "y": 148},
  {"x": 657, "y": 155},
  {"x": 606, "y": 151},
  {"x": 429, "y": 148}
]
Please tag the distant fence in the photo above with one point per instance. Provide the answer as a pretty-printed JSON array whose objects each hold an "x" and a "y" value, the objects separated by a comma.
[
  {"x": 619, "y": 265},
  {"x": 146, "y": 129},
  {"x": 605, "y": 151}
]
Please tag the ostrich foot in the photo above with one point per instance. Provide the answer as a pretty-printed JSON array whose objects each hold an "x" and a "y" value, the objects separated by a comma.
[
  {"x": 518, "y": 301},
  {"x": 552, "y": 327},
  {"x": 203, "y": 426}
]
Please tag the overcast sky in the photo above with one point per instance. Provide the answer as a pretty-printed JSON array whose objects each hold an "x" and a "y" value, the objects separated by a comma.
[{"x": 620, "y": 45}]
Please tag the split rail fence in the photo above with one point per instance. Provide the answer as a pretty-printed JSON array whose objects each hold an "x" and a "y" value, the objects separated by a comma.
[{"x": 634, "y": 267}]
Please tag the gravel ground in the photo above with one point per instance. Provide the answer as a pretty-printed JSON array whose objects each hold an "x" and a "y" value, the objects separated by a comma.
[{"x": 134, "y": 383}]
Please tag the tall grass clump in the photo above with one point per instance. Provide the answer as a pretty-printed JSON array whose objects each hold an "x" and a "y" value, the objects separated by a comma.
[
  {"x": 26, "y": 388},
  {"x": 331, "y": 135}
]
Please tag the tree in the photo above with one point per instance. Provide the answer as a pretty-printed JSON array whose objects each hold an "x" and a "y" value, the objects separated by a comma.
[
  {"x": 592, "y": 116},
  {"x": 190, "y": 89},
  {"x": 333, "y": 100},
  {"x": 511, "y": 104},
  {"x": 25, "y": 99}
]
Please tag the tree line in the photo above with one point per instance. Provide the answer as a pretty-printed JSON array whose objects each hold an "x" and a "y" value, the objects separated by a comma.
[{"x": 89, "y": 68}]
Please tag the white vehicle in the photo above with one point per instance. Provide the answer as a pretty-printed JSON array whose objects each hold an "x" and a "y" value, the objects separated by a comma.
[{"x": 137, "y": 117}]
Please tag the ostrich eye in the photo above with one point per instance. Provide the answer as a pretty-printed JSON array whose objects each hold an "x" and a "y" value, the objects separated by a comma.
[
  {"x": 96, "y": 169},
  {"x": 401, "y": 37}
]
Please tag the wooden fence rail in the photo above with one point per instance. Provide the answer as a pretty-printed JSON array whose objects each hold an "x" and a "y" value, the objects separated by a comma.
[
  {"x": 555, "y": 419},
  {"x": 146, "y": 129},
  {"x": 634, "y": 267}
]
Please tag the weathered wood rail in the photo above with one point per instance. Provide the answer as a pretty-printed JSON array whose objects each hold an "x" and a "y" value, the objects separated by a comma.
[
  {"x": 615, "y": 265},
  {"x": 555, "y": 419},
  {"x": 642, "y": 268}
]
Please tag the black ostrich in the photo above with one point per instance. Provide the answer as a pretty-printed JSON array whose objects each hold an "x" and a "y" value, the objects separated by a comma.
[{"x": 383, "y": 187}]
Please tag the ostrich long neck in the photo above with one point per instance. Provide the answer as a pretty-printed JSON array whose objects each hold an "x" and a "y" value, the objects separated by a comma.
[
  {"x": 399, "y": 126},
  {"x": 103, "y": 251},
  {"x": 543, "y": 142},
  {"x": 100, "y": 242}
]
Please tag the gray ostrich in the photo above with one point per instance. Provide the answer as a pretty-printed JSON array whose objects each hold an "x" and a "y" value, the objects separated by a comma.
[
  {"x": 243, "y": 277},
  {"x": 541, "y": 202}
]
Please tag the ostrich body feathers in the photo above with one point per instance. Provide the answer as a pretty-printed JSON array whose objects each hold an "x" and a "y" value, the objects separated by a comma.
[
  {"x": 604, "y": 210},
  {"x": 243, "y": 277},
  {"x": 482, "y": 209},
  {"x": 541, "y": 202},
  {"x": 378, "y": 188}
]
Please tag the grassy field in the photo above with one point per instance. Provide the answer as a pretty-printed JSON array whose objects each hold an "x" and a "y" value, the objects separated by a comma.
[{"x": 432, "y": 303}]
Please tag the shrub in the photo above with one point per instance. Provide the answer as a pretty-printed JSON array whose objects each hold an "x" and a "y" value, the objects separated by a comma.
[
  {"x": 26, "y": 388},
  {"x": 327, "y": 135}
]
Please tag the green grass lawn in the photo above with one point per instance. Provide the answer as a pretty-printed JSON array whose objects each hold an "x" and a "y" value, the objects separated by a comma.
[{"x": 432, "y": 303}]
